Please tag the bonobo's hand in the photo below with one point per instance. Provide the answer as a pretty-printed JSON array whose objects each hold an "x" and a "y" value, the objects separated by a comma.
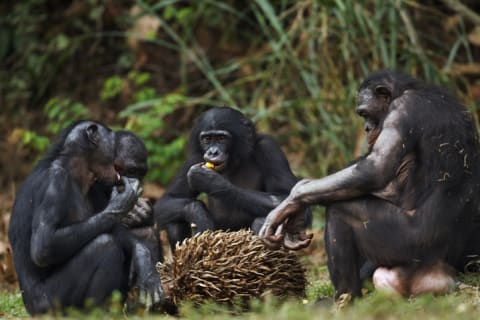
[
  {"x": 123, "y": 201},
  {"x": 203, "y": 179},
  {"x": 140, "y": 215},
  {"x": 284, "y": 225}
]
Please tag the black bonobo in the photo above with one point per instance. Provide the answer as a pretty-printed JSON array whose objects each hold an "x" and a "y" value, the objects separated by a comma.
[
  {"x": 130, "y": 161},
  {"x": 66, "y": 256},
  {"x": 408, "y": 205},
  {"x": 244, "y": 175}
]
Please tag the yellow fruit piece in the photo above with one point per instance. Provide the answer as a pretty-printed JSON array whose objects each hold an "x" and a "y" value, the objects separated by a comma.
[{"x": 209, "y": 165}]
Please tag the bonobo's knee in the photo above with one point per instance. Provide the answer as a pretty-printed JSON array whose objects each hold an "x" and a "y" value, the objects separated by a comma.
[{"x": 104, "y": 244}]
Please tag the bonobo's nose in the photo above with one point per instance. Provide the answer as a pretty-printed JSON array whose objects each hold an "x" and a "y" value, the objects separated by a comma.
[
  {"x": 362, "y": 110},
  {"x": 213, "y": 152}
]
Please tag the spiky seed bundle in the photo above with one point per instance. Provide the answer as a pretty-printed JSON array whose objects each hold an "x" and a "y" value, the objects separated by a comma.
[{"x": 226, "y": 266}]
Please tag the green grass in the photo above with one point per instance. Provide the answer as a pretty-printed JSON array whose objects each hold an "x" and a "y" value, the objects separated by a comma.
[
  {"x": 11, "y": 305},
  {"x": 464, "y": 303}
]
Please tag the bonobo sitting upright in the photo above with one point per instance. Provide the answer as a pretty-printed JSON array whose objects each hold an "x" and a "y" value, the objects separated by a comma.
[
  {"x": 244, "y": 174},
  {"x": 65, "y": 255},
  {"x": 409, "y": 205},
  {"x": 130, "y": 161}
]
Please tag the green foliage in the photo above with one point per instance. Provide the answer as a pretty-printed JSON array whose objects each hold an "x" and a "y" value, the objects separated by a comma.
[
  {"x": 11, "y": 305},
  {"x": 147, "y": 119},
  {"x": 111, "y": 88},
  {"x": 292, "y": 66},
  {"x": 60, "y": 112}
]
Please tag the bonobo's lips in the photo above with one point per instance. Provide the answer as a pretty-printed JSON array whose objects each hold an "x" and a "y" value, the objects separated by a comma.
[{"x": 219, "y": 165}]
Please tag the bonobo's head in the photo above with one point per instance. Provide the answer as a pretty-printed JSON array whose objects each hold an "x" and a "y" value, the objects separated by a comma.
[
  {"x": 94, "y": 143},
  {"x": 130, "y": 155},
  {"x": 223, "y": 136},
  {"x": 376, "y": 93}
]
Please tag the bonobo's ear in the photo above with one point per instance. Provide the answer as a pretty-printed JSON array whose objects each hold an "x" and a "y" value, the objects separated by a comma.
[
  {"x": 92, "y": 134},
  {"x": 382, "y": 91}
]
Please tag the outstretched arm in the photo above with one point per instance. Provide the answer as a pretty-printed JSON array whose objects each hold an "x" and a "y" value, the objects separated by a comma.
[{"x": 371, "y": 173}]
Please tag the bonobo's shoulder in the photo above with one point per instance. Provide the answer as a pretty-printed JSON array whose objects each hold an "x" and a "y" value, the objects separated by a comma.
[
  {"x": 266, "y": 141},
  {"x": 56, "y": 175}
]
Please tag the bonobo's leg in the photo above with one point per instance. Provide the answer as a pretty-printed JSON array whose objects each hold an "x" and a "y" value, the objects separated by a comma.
[
  {"x": 149, "y": 236},
  {"x": 374, "y": 229},
  {"x": 92, "y": 274},
  {"x": 343, "y": 255},
  {"x": 177, "y": 231}
]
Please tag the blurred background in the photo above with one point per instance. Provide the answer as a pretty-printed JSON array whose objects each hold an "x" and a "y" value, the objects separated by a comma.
[{"x": 153, "y": 66}]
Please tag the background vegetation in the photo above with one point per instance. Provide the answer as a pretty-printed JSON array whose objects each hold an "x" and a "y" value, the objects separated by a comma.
[{"x": 152, "y": 66}]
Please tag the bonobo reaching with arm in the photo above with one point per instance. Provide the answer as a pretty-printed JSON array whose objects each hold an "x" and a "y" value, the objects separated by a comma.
[
  {"x": 250, "y": 176},
  {"x": 64, "y": 254},
  {"x": 408, "y": 205}
]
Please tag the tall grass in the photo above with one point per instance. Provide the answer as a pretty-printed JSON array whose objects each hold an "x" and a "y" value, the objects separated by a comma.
[{"x": 299, "y": 77}]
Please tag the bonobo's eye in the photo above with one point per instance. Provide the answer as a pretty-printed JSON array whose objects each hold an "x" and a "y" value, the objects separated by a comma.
[
  {"x": 382, "y": 91},
  {"x": 206, "y": 139}
]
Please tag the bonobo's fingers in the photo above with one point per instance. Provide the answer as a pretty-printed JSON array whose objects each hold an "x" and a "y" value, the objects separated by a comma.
[
  {"x": 296, "y": 237},
  {"x": 275, "y": 240},
  {"x": 135, "y": 184},
  {"x": 123, "y": 201},
  {"x": 277, "y": 217},
  {"x": 141, "y": 214},
  {"x": 297, "y": 241}
]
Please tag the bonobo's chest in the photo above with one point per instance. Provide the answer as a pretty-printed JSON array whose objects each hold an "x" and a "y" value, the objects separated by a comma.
[
  {"x": 248, "y": 176},
  {"x": 228, "y": 215}
]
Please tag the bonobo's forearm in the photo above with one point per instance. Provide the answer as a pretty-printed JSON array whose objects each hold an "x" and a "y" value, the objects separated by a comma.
[
  {"x": 171, "y": 209},
  {"x": 342, "y": 185},
  {"x": 256, "y": 203},
  {"x": 50, "y": 247}
]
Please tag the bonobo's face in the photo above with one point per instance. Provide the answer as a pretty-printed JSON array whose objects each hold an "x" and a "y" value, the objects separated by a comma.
[
  {"x": 216, "y": 146},
  {"x": 373, "y": 102},
  {"x": 101, "y": 159},
  {"x": 130, "y": 165}
]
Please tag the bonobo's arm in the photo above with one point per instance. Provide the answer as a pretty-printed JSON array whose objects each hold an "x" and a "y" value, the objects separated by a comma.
[
  {"x": 370, "y": 173},
  {"x": 277, "y": 180},
  {"x": 179, "y": 203},
  {"x": 52, "y": 243}
]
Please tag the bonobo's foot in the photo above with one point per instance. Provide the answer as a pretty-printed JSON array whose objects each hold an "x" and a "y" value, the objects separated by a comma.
[
  {"x": 343, "y": 301},
  {"x": 436, "y": 279},
  {"x": 150, "y": 291}
]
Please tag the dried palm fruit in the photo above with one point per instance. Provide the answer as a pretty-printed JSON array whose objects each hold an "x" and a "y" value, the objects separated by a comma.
[{"x": 229, "y": 266}]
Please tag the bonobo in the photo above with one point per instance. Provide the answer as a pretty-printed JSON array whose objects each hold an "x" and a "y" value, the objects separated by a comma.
[
  {"x": 408, "y": 205},
  {"x": 66, "y": 256},
  {"x": 243, "y": 174},
  {"x": 130, "y": 161}
]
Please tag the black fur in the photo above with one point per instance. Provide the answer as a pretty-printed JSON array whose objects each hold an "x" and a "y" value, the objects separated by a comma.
[{"x": 257, "y": 176}]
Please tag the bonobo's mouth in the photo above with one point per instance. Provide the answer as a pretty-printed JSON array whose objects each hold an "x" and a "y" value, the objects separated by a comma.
[{"x": 216, "y": 165}]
